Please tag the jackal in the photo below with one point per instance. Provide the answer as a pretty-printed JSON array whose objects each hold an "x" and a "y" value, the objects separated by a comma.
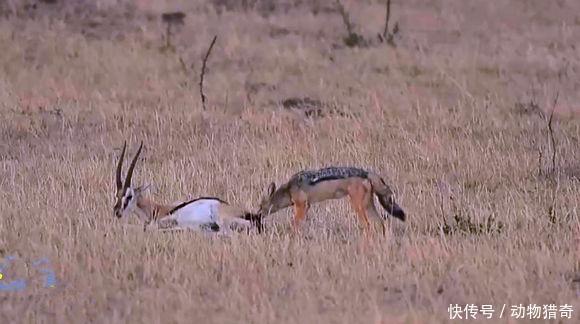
[{"x": 311, "y": 186}]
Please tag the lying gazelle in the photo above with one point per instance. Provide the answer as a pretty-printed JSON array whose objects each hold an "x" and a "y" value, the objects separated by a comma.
[
  {"x": 312, "y": 186},
  {"x": 204, "y": 213}
]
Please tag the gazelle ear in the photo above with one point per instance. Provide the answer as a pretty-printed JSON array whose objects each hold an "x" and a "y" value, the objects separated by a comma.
[
  {"x": 143, "y": 188},
  {"x": 271, "y": 189}
]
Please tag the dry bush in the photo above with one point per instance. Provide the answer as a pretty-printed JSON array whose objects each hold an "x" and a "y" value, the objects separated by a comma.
[
  {"x": 429, "y": 116},
  {"x": 268, "y": 7}
]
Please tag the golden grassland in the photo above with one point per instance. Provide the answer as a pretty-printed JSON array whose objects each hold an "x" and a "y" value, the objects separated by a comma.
[{"x": 455, "y": 117}]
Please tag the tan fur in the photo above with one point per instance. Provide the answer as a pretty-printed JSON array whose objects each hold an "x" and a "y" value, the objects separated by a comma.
[
  {"x": 307, "y": 188},
  {"x": 149, "y": 211},
  {"x": 154, "y": 210},
  {"x": 232, "y": 217}
]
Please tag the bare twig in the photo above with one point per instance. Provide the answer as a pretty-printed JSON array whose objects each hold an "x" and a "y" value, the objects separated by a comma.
[
  {"x": 386, "y": 36},
  {"x": 171, "y": 18},
  {"x": 387, "y": 17},
  {"x": 551, "y": 132},
  {"x": 540, "y": 153},
  {"x": 345, "y": 17},
  {"x": 183, "y": 65},
  {"x": 352, "y": 39},
  {"x": 396, "y": 30},
  {"x": 168, "y": 36},
  {"x": 458, "y": 85},
  {"x": 203, "y": 71}
]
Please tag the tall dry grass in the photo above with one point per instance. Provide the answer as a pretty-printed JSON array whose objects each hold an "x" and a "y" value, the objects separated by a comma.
[{"x": 448, "y": 117}]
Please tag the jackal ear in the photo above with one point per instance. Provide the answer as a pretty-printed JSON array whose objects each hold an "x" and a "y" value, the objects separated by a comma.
[{"x": 271, "y": 189}]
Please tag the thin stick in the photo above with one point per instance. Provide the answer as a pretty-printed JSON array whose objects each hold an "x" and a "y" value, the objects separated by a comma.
[
  {"x": 551, "y": 132},
  {"x": 540, "y": 162},
  {"x": 203, "y": 71},
  {"x": 168, "y": 36},
  {"x": 345, "y": 18},
  {"x": 388, "y": 16},
  {"x": 457, "y": 84}
]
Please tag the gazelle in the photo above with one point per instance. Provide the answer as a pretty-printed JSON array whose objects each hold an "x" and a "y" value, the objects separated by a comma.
[{"x": 204, "y": 213}]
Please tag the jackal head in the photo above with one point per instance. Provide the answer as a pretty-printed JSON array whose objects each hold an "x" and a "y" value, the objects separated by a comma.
[
  {"x": 274, "y": 199},
  {"x": 127, "y": 195},
  {"x": 267, "y": 202}
]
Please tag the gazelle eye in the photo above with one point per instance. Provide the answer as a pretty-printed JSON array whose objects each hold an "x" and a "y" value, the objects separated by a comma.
[{"x": 127, "y": 200}]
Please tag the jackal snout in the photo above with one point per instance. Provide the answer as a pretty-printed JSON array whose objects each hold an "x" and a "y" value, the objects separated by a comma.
[
  {"x": 274, "y": 199},
  {"x": 255, "y": 220},
  {"x": 392, "y": 208},
  {"x": 386, "y": 197}
]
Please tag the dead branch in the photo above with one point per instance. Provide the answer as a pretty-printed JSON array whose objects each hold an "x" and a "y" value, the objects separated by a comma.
[
  {"x": 183, "y": 65},
  {"x": 345, "y": 17},
  {"x": 203, "y": 71},
  {"x": 540, "y": 172},
  {"x": 387, "y": 36},
  {"x": 171, "y": 19},
  {"x": 352, "y": 39},
  {"x": 387, "y": 17},
  {"x": 551, "y": 132},
  {"x": 168, "y": 36}
]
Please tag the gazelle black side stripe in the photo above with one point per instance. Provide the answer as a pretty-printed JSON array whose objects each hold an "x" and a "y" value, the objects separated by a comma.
[{"x": 192, "y": 201}]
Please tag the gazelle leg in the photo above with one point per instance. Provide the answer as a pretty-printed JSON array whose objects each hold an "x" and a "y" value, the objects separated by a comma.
[
  {"x": 238, "y": 225},
  {"x": 172, "y": 229},
  {"x": 167, "y": 223}
]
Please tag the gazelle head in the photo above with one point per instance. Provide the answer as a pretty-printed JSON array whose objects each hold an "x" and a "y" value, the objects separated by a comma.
[{"x": 127, "y": 196}]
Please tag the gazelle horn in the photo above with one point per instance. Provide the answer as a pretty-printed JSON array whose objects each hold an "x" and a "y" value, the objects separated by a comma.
[
  {"x": 132, "y": 167},
  {"x": 120, "y": 166}
]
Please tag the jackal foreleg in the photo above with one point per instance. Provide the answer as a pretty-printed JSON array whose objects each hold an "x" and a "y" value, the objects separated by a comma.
[
  {"x": 358, "y": 195},
  {"x": 301, "y": 207},
  {"x": 374, "y": 215}
]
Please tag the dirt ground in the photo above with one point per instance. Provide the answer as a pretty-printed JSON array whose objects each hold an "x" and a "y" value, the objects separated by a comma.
[{"x": 454, "y": 110}]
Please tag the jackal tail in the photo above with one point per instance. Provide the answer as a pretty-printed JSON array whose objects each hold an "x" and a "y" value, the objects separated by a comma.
[{"x": 386, "y": 197}]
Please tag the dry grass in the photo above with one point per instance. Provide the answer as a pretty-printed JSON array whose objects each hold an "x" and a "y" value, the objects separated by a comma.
[{"x": 445, "y": 116}]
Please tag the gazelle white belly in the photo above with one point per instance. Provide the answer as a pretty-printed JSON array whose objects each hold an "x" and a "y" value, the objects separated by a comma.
[{"x": 197, "y": 213}]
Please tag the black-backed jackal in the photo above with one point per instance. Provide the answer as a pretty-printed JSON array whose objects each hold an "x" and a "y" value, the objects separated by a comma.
[
  {"x": 204, "y": 213},
  {"x": 308, "y": 187}
]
